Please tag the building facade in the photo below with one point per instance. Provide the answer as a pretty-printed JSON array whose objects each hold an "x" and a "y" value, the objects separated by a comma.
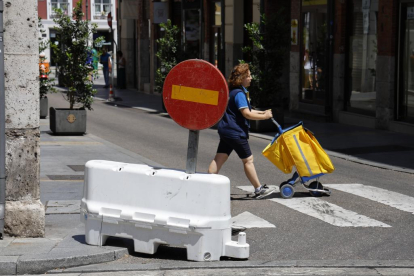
[
  {"x": 96, "y": 11},
  {"x": 212, "y": 30},
  {"x": 352, "y": 62}
]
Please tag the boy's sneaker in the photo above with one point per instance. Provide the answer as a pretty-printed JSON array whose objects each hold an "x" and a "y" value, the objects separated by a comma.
[{"x": 263, "y": 191}]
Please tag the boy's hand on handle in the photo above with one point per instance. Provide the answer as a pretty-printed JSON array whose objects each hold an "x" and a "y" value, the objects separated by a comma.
[{"x": 268, "y": 114}]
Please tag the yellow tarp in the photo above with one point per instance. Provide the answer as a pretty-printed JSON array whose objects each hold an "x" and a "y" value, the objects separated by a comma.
[{"x": 297, "y": 147}]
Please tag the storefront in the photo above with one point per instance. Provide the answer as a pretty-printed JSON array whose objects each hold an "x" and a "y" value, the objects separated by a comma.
[
  {"x": 353, "y": 62},
  {"x": 311, "y": 54},
  {"x": 362, "y": 57},
  {"x": 405, "y": 82}
]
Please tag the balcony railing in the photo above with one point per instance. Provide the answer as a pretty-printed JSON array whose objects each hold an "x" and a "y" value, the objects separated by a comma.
[{"x": 100, "y": 16}]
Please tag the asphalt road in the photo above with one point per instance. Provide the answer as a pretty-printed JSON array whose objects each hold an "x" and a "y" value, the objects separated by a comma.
[{"x": 297, "y": 235}]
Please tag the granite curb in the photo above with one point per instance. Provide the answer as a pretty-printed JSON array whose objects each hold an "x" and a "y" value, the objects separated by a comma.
[
  {"x": 241, "y": 265},
  {"x": 41, "y": 263}
]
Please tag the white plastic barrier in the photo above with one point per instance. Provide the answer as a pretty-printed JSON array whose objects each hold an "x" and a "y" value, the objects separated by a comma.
[{"x": 160, "y": 206}]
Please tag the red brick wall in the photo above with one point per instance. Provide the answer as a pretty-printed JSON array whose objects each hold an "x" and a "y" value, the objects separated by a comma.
[
  {"x": 42, "y": 9},
  {"x": 295, "y": 14},
  {"x": 340, "y": 24},
  {"x": 387, "y": 27}
]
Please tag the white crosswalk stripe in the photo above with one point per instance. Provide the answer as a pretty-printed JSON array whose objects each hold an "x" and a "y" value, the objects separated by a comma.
[
  {"x": 393, "y": 199},
  {"x": 328, "y": 212},
  {"x": 325, "y": 211},
  {"x": 248, "y": 220}
]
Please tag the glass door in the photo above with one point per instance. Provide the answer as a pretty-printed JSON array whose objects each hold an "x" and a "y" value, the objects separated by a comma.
[
  {"x": 405, "y": 94},
  {"x": 216, "y": 47},
  {"x": 314, "y": 46}
]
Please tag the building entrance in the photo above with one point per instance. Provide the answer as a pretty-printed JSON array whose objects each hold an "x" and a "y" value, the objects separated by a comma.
[
  {"x": 405, "y": 93},
  {"x": 314, "y": 52}
]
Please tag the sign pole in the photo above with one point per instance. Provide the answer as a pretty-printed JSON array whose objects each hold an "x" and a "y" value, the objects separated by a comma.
[
  {"x": 192, "y": 151},
  {"x": 195, "y": 94}
]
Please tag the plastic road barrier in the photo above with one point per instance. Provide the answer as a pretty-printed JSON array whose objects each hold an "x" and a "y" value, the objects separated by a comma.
[{"x": 156, "y": 206}]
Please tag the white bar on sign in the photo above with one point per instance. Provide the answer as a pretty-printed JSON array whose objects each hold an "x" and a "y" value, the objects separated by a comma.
[
  {"x": 328, "y": 212},
  {"x": 393, "y": 199}
]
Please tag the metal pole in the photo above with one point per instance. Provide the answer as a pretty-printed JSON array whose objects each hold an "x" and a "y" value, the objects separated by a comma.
[
  {"x": 2, "y": 129},
  {"x": 113, "y": 59},
  {"x": 86, "y": 6},
  {"x": 192, "y": 151}
]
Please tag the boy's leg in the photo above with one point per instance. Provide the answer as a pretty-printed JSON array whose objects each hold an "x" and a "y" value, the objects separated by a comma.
[
  {"x": 217, "y": 162},
  {"x": 250, "y": 171}
]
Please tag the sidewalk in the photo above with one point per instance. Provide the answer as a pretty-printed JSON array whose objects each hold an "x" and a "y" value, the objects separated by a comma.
[{"x": 61, "y": 188}]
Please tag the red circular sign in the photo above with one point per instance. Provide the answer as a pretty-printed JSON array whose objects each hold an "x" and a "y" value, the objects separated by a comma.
[{"x": 195, "y": 94}]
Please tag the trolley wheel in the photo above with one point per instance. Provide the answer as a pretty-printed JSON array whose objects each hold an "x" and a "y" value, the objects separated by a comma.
[
  {"x": 316, "y": 185},
  {"x": 286, "y": 190}
]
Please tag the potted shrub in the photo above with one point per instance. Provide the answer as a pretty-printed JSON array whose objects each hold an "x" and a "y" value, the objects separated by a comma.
[
  {"x": 45, "y": 82},
  {"x": 271, "y": 40},
  {"x": 75, "y": 67}
]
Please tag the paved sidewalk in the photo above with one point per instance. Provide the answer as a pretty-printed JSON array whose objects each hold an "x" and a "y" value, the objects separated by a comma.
[
  {"x": 62, "y": 163},
  {"x": 61, "y": 186}
]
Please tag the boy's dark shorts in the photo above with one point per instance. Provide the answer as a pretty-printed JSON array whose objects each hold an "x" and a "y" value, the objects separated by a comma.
[{"x": 240, "y": 146}]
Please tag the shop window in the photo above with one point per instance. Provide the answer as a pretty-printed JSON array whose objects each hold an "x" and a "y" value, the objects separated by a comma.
[
  {"x": 363, "y": 57},
  {"x": 314, "y": 63},
  {"x": 405, "y": 90},
  {"x": 216, "y": 48}
]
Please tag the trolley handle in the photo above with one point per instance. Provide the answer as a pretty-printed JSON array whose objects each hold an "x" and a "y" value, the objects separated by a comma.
[{"x": 279, "y": 128}]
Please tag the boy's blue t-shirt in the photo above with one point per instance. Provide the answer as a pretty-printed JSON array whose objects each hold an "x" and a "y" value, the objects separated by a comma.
[
  {"x": 241, "y": 100},
  {"x": 234, "y": 125}
]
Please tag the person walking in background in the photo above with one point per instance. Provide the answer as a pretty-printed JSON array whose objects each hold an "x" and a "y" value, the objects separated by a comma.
[
  {"x": 104, "y": 59},
  {"x": 233, "y": 128},
  {"x": 121, "y": 63}
]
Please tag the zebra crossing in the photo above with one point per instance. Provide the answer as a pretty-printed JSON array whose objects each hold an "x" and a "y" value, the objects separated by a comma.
[{"x": 338, "y": 216}]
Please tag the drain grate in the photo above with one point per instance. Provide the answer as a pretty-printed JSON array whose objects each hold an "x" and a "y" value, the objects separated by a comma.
[
  {"x": 374, "y": 149},
  {"x": 77, "y": 168},
  {"x": 65, "y": 177}
]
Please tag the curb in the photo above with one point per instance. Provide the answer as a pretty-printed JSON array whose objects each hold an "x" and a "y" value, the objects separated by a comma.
[
  {"x": 241, "y": 265},
  {"x": 20, "y": 265}
]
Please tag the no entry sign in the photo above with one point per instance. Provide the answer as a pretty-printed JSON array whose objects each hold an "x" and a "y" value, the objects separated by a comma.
[{"x": 195, "y": 94}]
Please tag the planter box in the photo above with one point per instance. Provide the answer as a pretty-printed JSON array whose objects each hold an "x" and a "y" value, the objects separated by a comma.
[
  {"x": 64, "y": 121},
  {"x": 44, "y": 105},
  {"x": 268, "y": 125}
]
